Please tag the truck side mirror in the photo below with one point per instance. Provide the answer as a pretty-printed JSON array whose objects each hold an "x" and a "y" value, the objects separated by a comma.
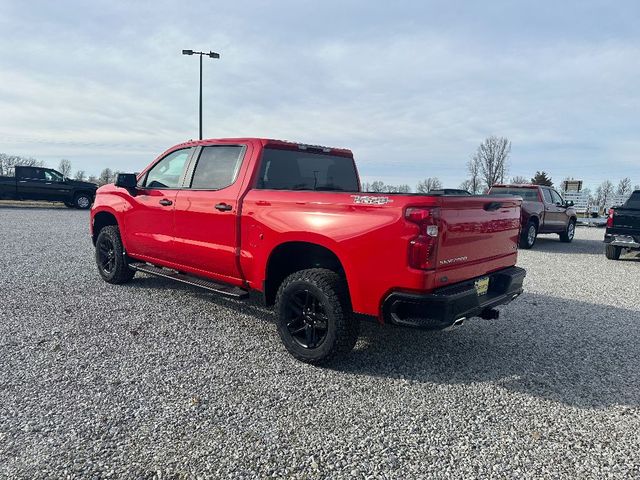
[{"x": 128, "y": 181}]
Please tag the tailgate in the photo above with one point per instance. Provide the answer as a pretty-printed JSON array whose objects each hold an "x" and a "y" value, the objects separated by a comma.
[
  {"x": 478, "y": 228},
  {"x": 626, "y": 221}
]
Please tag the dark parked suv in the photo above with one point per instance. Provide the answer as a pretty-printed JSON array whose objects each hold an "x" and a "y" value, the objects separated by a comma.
[{"x": 543, "y": 211}]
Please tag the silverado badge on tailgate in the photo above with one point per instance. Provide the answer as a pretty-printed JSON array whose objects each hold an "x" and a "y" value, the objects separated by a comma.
[{"x": 482, "y": 286}]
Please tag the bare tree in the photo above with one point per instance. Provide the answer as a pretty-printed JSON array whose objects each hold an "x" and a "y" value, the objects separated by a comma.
[
  {"x": 474, "y": 176},
  {"x": 491, "y": 157},
  {"x": 377, "y": 187},
  {"x": 65, "y": 167},
  {"x": 404, "y": 188},
  {"x": 428, "y": 184},
  {"x": 9, "y": 162},
  {"x": 604, "y": 193},
  {"x": 80, "y": 175},
  {"x": 624, "y": 186},
  {"x": 519, "y": 179},
  {"x": 106, "y": 176},
  {"x": 466, "y": 185},
  {"x": 93, "y": 179}
]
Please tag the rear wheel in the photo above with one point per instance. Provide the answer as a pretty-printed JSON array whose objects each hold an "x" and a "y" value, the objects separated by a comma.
[
  {"x": 529, "y": 234},
  {"x": 612, "y": 252},
  {"x": 569, "y": 233},
  {"x": 110, "y": 257},
  {"x": 315, "y": 321},
  {"x": 82, "y": 200}
]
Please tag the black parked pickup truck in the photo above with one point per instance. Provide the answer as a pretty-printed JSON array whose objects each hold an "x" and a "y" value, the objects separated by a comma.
[
  {"x": 623, "y": 227},
  {"x": 38, "y": 183}
]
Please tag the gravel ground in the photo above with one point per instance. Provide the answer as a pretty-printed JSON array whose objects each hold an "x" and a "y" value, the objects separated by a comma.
[{"x": 159, "y": 380}]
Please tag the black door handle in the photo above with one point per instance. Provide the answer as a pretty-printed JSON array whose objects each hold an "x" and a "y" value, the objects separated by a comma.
[
  {"x": 166, "y": 202},
  {"x": 223, "y": 207}
]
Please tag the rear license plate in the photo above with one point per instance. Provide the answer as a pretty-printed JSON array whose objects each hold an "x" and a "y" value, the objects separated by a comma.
[{"x": 482, "y": 286}]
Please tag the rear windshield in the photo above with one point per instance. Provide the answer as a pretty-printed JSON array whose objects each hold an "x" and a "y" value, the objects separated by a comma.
[
  {"x": 303, "y": 170},
  {"x": 528, "y": 194},
  {"x": 634, "y": 200}
]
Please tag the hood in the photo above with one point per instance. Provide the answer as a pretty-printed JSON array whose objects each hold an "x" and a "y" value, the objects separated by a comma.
[{"x": 78, "y": 183}]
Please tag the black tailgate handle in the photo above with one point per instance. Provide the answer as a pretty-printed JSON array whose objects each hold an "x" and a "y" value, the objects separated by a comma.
[{"x": 492, "y": 206}]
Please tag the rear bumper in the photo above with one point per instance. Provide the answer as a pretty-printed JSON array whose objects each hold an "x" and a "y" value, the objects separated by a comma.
[
  {"x": 441, "y": 308},
  {"x": 624, "y": 241}
]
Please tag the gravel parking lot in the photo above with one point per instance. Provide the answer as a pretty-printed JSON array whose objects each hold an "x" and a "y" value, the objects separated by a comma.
[{"x": 159, "y": 380}]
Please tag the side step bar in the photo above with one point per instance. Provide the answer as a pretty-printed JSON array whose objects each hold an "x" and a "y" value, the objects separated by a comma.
[{"x": 228, "y": 290}]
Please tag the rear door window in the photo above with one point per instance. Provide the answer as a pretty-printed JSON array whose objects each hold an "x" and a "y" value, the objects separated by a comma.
[
  {"x": 546, "y": 193},
  {"x": 217, "y": 167},
  {"x": 305, "y": 170}
]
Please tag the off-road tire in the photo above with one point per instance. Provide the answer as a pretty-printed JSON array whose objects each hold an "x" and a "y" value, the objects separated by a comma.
[
  {"x": 118, "y": 270},
  {"x": 613, "y": 252},
  {"x": 526, "y": 240},
  {"x": 569, "y": 233},
  {"x": 82, "y": 201},
  {"x": 330, "y": 292}
]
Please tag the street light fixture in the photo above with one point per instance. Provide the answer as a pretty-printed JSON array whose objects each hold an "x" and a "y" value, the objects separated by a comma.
[{"x": 212, "y": 55}]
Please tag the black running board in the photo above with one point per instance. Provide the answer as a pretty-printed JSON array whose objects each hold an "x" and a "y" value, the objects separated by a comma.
[{"x": 228, "y": 290}]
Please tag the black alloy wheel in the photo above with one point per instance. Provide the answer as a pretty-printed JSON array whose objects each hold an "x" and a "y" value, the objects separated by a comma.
[
  {"x": 106, "y": 255},
  {"x": 307, "y": 321}
]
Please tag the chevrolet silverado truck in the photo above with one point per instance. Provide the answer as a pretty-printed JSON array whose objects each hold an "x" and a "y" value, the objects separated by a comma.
[
  {"x": 543, "y": 211},
  {"x": 289, "y": 222},
  {"x": 623, "y": 228},
  {"x": 39, "y": 183}
]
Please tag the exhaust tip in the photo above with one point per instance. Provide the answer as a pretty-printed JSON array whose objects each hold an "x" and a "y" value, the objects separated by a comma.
[{"x": 457, "y": 323}]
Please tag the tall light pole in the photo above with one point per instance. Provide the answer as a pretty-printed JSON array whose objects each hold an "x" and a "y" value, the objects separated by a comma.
[{"x": 212, "y": 55}]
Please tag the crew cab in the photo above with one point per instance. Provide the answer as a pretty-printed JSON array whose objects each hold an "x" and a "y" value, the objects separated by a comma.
[
  {"x": 289, "y": 222},
  {"x": 39, "y": 183},
  {"x": 623, "y": 228},
  {"x": 543, "y": 211}
]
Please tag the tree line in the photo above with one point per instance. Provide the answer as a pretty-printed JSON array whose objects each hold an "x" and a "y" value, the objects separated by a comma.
[{"x": 488, "y": 165}]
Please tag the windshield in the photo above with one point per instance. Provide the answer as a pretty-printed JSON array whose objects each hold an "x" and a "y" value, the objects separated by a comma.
[
  {"x": 304, "y": 170},
  {"x": 528, "y": 194}
]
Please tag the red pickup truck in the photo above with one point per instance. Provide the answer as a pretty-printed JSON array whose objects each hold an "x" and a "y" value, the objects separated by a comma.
[{"x": 289, "y": 221}]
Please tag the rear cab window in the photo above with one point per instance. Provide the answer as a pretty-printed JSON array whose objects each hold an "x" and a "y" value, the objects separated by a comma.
[
  {"x": 527, "y": 194},
  {"x": 306, "y": 170}
]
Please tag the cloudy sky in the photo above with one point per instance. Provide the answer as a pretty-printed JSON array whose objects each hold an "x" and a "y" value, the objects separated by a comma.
[{"x": 412, "y": 87}]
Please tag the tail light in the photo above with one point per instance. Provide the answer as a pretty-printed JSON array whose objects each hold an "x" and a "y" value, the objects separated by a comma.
[
  {"x": 422, "y": 248},
  {"x": 610, "y": 218}
]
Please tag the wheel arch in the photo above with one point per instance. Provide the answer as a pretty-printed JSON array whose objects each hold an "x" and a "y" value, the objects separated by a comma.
[
  {"x": 292, "y": 256},
  {"x": 100, "y": 220}
]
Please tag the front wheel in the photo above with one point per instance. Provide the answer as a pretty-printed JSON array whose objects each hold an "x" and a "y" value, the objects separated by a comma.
[
  {"x": 315, "y": 321},
  {"x": 569, "y": 233},
  {"x": 612, "y": 252},
  {"x": 110, "y": 257}
]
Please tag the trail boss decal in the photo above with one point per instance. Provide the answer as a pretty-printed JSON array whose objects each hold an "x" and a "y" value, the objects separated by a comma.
[
  {"x": 370, "y": 200},
  {"x": 449, "y": 261}
]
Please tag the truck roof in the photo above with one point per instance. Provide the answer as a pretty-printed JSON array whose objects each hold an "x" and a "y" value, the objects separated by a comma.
[{"x": 270, "y": 142}]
